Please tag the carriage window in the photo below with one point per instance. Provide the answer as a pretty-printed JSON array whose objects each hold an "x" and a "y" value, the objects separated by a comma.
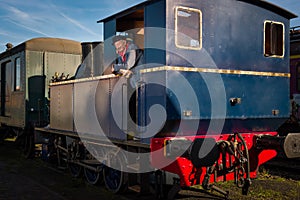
[
  {"x": 298, "y": 77},
  {"x": 295, "y": 47},
  {"x": 274, "y": 39},
  {"x": 188, "y": 28},
  {"x": 17, "y": 85}
]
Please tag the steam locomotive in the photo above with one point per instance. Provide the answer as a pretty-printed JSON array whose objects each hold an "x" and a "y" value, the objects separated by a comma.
[{"x": 204, "y": 107}]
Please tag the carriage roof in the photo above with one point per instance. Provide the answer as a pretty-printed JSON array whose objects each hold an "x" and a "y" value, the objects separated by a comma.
[{"x": 46, "y": 44}]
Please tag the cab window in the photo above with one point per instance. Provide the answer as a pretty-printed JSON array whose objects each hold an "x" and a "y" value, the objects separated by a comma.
[
  {"x": 188, "y": 28},
  {"x": 273, "y": 39},
  {"x": 298, "y": 77}
]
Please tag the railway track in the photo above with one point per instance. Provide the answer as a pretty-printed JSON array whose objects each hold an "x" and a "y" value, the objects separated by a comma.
[
  {"x": 47, "y": 176},
  {"x": 284, "y": 167}
]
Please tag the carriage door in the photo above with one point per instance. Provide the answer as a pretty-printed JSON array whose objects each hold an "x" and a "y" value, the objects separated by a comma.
[{"x": 5, "y": 88}]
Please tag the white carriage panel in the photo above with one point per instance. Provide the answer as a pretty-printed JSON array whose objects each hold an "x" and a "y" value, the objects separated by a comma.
[
  {"x": 14, "y": 113},
  {"x": 18, "y": 109},
  {"x": 18, "y": 97},
  {"x": 34, "y": 65},
  {"x": 60, "y": 63}
]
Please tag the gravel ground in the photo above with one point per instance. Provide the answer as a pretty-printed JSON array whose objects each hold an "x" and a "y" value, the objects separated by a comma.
[{"x": 33, "y": 179}]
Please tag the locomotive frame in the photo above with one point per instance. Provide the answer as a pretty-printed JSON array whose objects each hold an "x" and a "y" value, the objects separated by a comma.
[{"x": 240, "y": 98}]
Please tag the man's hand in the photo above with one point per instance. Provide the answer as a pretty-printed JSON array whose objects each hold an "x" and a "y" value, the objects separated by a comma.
[
  {"x": 126, "y": 72},
  {"x": 112, "y": 68}
]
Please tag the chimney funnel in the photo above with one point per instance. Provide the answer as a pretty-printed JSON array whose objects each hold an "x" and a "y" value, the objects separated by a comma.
[{"x": 9, "y": 46}]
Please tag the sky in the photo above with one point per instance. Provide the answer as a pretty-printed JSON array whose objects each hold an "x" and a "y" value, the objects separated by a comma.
[{"x": 21, "y": 20}]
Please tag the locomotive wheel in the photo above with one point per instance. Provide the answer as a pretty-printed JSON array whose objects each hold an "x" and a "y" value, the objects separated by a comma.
[
  {"x": 61, "y": 155},
  {"x": 115, "y": 180},
  {"x": 75, "y": 154},
  {"x": 94, "y": 177},
  {"x": 75, "y": 170},
  {"x": 28, "y": 148},
  {"x": 26, "y": 139}
]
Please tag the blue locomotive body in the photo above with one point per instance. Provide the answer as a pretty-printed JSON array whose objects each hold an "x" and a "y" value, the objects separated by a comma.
[
  {"x": 260, "y": 98},
  {"x": 224, "y": 52}
]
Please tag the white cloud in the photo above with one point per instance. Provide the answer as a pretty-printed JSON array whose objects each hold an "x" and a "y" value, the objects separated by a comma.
[
  {"x": 27, "y": 20},
  {"x": 18, "y": 13},
  {"x": 4, "y": 33},
  {"x": 30, "y": 28},
  {"x": 74, "y": 22}
]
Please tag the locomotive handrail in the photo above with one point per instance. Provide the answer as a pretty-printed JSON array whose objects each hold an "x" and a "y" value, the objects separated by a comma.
[
  {"x": 295, "y": 30},
  {"x": 295, "y": 27},
  {"x": 83, "y": 79}
]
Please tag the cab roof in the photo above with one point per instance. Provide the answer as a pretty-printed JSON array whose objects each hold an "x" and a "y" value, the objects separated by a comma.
[{"x": 264, "y": 4}]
